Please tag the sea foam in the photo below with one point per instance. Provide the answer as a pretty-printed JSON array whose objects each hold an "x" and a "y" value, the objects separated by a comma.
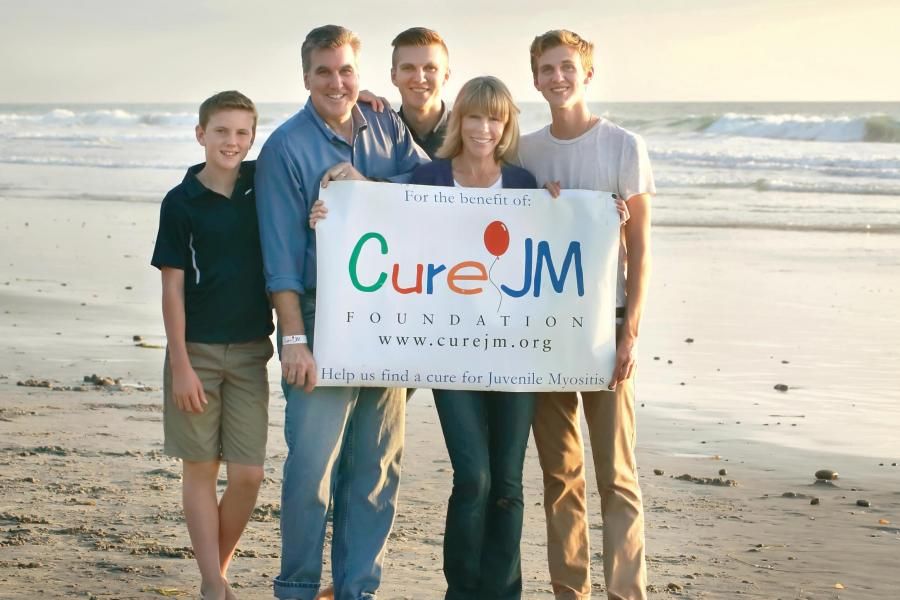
[{"x": 874, "y": 128}]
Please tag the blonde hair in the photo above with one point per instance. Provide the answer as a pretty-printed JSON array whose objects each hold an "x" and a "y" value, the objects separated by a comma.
[
  {"x": 230, "y": 100},
  {"x": 562, "y": 37},
  {"x": 326, "y": 37},
  {"x": 488, "y": 96}
]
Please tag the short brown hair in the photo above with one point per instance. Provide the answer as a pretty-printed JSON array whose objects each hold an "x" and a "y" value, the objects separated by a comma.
[
  {"x": 418, "y": 37},
  {"x": 562, "y": 37},
  {"x": 488, "y": 96},
  {"x": 230, "y": 100},
  {"x": 326, "y": 37}
]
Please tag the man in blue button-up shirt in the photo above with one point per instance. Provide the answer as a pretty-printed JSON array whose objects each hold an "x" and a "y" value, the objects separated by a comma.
[{"x": 344, "y": 444}]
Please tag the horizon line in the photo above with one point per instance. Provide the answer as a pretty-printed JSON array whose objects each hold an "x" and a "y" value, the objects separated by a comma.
[{"x": 396, "y": 102}]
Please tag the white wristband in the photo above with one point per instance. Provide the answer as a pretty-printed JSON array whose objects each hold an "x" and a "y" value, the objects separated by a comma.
[{"x": 293, "y": 339}]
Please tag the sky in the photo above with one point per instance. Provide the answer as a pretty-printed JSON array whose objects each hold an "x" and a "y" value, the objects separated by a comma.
[{"x": 646, "y": 50}]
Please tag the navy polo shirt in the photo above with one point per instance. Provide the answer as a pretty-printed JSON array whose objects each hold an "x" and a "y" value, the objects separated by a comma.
[
  {"x": 215, "y": 241},
  {"x": 434, "y": 139}
]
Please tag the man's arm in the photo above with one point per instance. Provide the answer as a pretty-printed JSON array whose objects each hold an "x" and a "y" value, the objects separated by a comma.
[
  {"x": 298, "y": 367},
  {"x": 282, "y": 210},
  {"x": 342, "y": 171},
  {"x": 638, "y": 265},
  {"x": 187, "y": 389}
]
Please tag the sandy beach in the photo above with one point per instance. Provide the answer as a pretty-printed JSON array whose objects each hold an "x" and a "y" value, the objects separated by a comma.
[{"x": 90, "y": 507}]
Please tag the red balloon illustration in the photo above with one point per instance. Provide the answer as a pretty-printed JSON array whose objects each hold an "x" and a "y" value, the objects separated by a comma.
[{"x": 496, "y": 238}]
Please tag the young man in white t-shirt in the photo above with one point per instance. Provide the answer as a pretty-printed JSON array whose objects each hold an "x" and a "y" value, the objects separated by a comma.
[{"x": 579, "y": 150}]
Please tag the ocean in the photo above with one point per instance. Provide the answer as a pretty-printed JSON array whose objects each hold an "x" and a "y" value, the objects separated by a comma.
[
  {"x": 807, "y": 166},
  {"x": 780, "y": 259}
]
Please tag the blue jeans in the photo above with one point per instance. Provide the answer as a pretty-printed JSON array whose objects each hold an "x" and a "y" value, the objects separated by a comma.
[
  {"x": 344, "y": 449},
  {"x": 486, "y": 435}
]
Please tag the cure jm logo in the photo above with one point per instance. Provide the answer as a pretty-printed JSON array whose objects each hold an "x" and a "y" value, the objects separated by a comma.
[{"x": 538, "y": 262}]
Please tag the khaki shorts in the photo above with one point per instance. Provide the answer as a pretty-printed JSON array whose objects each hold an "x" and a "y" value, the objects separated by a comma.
[{"x": 235, "y": 423}]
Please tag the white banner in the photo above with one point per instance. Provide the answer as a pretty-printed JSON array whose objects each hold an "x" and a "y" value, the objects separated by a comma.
[{"x": 465, "y": 288}]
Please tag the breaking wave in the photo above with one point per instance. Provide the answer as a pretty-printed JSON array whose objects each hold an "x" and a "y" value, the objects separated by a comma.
[{"x": 874, "y": 128}]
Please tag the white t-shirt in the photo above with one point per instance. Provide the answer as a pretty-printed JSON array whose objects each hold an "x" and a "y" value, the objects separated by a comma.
[{"x": 606, "y": 158}]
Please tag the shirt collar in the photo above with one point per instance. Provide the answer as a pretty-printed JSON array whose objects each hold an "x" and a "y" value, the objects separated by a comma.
[
  {"x": 441, "y": 123},
  {"x": 357, "y": 116},
  {"x": 192, "y": 185},
  {"x": 195, "y": 189}
]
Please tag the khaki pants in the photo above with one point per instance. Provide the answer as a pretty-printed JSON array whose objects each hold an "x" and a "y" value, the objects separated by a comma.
[{"x": 557, "y": 433}]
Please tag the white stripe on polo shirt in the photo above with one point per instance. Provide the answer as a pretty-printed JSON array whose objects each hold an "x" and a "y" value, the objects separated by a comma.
[{"x": 194, "y": 260}]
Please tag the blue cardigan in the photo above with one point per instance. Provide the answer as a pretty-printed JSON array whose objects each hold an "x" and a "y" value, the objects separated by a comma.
[{"x": 440, "y": 172}]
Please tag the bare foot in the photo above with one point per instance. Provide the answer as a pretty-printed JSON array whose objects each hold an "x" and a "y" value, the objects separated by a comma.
[
  {"x": 229, "y": 593},
  {"x": 213, "y": 591},
  {"x": 326, "y": 594}
]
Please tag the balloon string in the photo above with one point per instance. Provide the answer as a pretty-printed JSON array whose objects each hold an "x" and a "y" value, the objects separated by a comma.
[{"x": 490, "y": 278}]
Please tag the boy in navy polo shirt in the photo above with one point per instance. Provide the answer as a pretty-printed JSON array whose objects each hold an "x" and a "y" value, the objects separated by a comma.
[{"x": 218, "y": 321}]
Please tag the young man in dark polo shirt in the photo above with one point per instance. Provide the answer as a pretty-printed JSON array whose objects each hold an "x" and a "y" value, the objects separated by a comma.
[
  {"x": 419, "y": 69},
  {"x": 218, "y": 322}
]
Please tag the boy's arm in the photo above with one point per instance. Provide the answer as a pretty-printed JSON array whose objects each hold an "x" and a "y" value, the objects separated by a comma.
[
  {"x": 186, "y": 387},
  {"x": 378, "y": 103},
  {"x": 637, "y": 244}
]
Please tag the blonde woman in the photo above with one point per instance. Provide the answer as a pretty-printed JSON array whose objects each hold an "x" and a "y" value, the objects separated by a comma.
[{"x": 485, "y": 432}]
